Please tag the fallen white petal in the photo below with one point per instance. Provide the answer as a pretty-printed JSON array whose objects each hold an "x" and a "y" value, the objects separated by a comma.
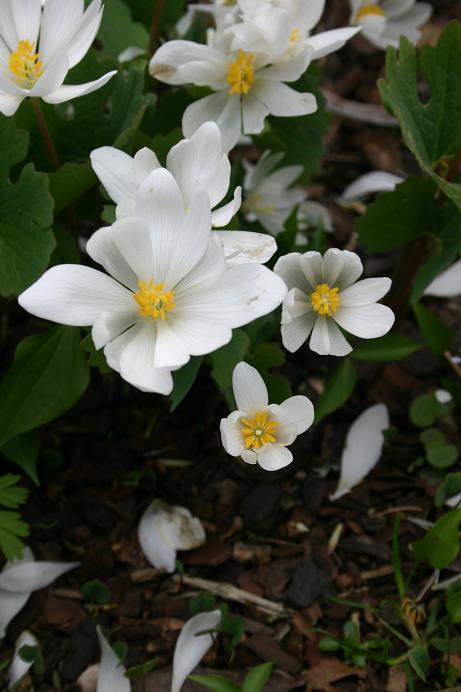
[
  {"x": 447, "y": 284},
  {"x": 190, "y": 649},
  {"x": 370, "y": 183},
  {"x": 362, "y": 449},
  {"x": 32, "y": 576},
  {"x": 443, "y": 397},
  {"x": 19, "y": 667},
  {"x": 111, "y": 676}
]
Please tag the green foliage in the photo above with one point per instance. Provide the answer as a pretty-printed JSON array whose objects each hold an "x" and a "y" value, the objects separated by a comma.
[
  {"x": 257, "y": 678},
  {"x": 438, "y": 452},
  {"x": 70, "y": 182},
  {"x": 118, "y": 31},
  {"x": 420, "y": 661},
  {"x": 26, "y": 214},
  {"x": 183, "y": 380},
  {"x": 425, "y": 409},
  {"x": 265, "y": 356},
  {"x": 216, "y": 683},
  {"x": 337, "y": 391},
  {"x": 436, "y": 334},
  {"x": 137, "y": 672},
  {"x": 95, "y": 592},
  {"x": 386, "y": 348},
  {"x": 254, "y": 681},
  {"x": 23, "y": 451},
  {"x": 12, "y": 528},
  {"x": 454, "y": 602},
  {"x": 202, "y": 602},
  {"x": 450, "y": 486},
  {"x": 440, "y": 545},
  {"x": 226, "y": 358},
  {"x": 48, "y": 376},
  {"x": 431, "y": 130},
  {"x": 32, "y": 654}
]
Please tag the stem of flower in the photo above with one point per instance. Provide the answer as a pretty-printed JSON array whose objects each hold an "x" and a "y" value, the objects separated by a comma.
[
  {"x": 155, "y": 26},
  {"x": 45, "y": 133}
]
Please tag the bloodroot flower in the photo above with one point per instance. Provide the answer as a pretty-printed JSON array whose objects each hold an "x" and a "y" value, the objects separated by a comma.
[
  {"x": 260, "y": 432},
  {"x": 39, "y": 47},
  {"x": 323, "y": 295}
]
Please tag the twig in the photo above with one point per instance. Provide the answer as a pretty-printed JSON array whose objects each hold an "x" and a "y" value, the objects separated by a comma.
[
  {"x": 232, "y": 593},
  {"x": 45, "y": 133},
  {"x": 383, "y": 571},
  {"x": 155, "y": 26},
  {"x": 394, "y": 510}
]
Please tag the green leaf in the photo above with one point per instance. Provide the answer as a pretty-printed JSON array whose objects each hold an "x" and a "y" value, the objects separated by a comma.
[
  {"x": 70, "y": 182},
  {"x": 145, "y": 11},
  {"x": 420, "y": 661},
  {"x": 95, "y": 592},
  {"x": 202, "y": 602},
  {"x": 440, "y": 545},
  {"x": 183, "y": 380},
  {"x": 257, "y": 678},
  {"x": 337, "y": 390},
  {"x": 423, "y": 410},
  {"x": 398, "y": 217},
  {"x": 451, "y": 486},
  {"x": 447, "y": 646},
  {"x": 226, "y": 358},
  {"x": 387, "y": 348},
  {"x": 11, "y": 496},
  {"x": 454, "y": 606},
  {"x": 216, "y": 683},
  {"x": 438, "y": 452},
  {"x": 32, "y": 654},
  {"x": 431, "y": 130},
  {"x": 48, "y": 376},
  {"x": 23, "y": 451},
  {"x": 137, "y": 672},
  {"x": 436, "y": 334},
  {"x": 12, "y": 529},
  {"x": 96, "y": 358},
  {"x": 118, "y": 31},
  {"x": 26, "y": 214}
]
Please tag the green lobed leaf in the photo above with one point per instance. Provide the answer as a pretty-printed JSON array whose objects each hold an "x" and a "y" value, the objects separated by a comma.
[
  {"x": 48, "y": 376},
  {"x": 337, "y": 390},
  {"x": 118, "y": 30},
  {"x": 436, "y": 334},
  {"x": 12, "y": 530},
  {"x": 26, "y": 214},
  {"x": 11, "y": 496},
  {"x": 387, "y": 348},
  {"x": 70, "y": 182},
  {"x": 440, "y": 545},
  {"x": 431, "y": 130},
  {"x": 183, "y": 380},
  {"x": 257, "y": 678}
]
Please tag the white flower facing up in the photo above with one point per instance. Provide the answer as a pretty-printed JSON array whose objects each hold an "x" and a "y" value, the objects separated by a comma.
[
  {"x": 248, "y": 86},
  {"x": 194, "y": 641},
  {"x": 19, "y": 578},
  {"x": 260, "y": 432},
  {"x": 323, "y": 295},
  {"x": 170, "y": 293},
  {"x": 362, "y": 449},
  {"x": 38, "y": 48},
  {"x": 164, "y": 529},
  {"x": 384, "y": 22}
]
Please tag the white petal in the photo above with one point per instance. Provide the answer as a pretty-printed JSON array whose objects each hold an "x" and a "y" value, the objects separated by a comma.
[
  {"x": 289, "y": 269},
  {"x": 314, "y": 214},
  {"x": 111, "y": 676},
  {"x": 296, "y": 332},
  {"x": 109, "y": 326},
  {"x": 170, "y": 351},
  {"x": 272, "y": 457},
  {"x": 363, "y": 448},
  {"x": 52, "y": 77},
  {"x": 220, "y": 108},
  {"x": 61, "y": 18},
  {"x": 297, "y": 411},
  {"x": 255, "y": 175},
  {"x": 311, "y": 264},
  {"x": 246, "y": 246},
  {"x": 172, "y": 55},
  {"x": 250, "y": 392},
  {"x": 114, "y": 169},
  {"x": 9, "y": 103},
  {"x": 231, "y": 433},
  {"x": 329, "y": 41},
  {"x": 327, "y": 339},
  {"x": 7, "y": 26},
  {"x": 25, "y": 577},
  {"x": 75, "y": 295},
  {"x": 370, "y": 183},
  {"x": 85, "y": 34},
  {"x": 26, "y": 15},
  {"x": 447, "y": 284},
  {"x": 145, "y": 161},
  {"x": 19, "y": 667},
  {"x": 103, "y": 249},
  {"x": 442, "y": 396},
  {"x": 282, "y": 100},
  {"x": 158, "y": 552},
  {"x": 288, "y": 70},
  {"x": 341, "y": 268},
  {"x": 254, "y": 113},
  {"x": 366, "y": 321},
  {"x": 364, "y": 292},
  {"x": 222, "y": 216},
  {"x": 190, "y": 649},
  {"x": 249, "y": 457},
  {"x": 10, "y": 605},
  {"x": 67, "y": 92},
  {"x": 136, "y": 359}
]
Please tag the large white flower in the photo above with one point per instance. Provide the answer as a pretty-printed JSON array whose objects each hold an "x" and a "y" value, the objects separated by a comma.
[
  {"x": 260, "y": 432},
  {"x": 170, "y": 293},
  {"x": 38, "y": 48},
  {"x": 198, "y": 163},
  {"x": 384, "y": 22},
  {"x": 248, "y": 86},
  {"x": 324, "y": 294}
]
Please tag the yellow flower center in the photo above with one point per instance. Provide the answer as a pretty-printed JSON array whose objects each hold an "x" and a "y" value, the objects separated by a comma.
[
  {"x": 294, "y": 36},
  {"x": 254, "y": 204},
  {"x": 153, "y": 301},
  {"x": 25, "y": 65},
  {"x": 367, "y": 10},
  {"x": 258, "y": 431},
  {"x": 240, "y": 74},
  {"x": 325, "y": 300}
]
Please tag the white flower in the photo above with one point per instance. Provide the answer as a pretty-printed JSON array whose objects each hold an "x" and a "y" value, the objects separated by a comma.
[
  {"x": 313, "y": 214},
  {"x": 323, "y": 293},
  {"x": 164, "y": 529},
  {"x": 198, "y": 163},
  {"x": 384, "y": 22},
  {"x": 19, "y": 667},
  {"x": 172, "y": 294},
  {"x": 260, "y": 432},
  {"x": 19, "y": 578},
  {"x": 363, "y": 448},
  {"x": 38, "y": 48},
  {"x": 269, "y": 198},
  {"x": 248, "y": 86},
  {"x": 111, "y": 673},
  {"x": 447, "y": 284},
  {"x": 192, "y": 646},
  {"x": 369, "y": 184}
]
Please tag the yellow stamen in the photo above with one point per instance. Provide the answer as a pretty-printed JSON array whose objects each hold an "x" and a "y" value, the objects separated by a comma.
[
  {"x": 25, "y": 65},
  {"x": 153, "y": 301},
  {"x": 294, "y": 36},
  {"x": 369, "y": 10},
  {"x": 325, "y": 300},
  {"x": 240, "y": 74},
  {"x": 258, "y": 431}
]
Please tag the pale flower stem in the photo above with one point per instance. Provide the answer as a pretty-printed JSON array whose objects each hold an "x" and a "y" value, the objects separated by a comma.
[
  {"x": 45, "y": 133},
  {"x": 155, "y": 26}
]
